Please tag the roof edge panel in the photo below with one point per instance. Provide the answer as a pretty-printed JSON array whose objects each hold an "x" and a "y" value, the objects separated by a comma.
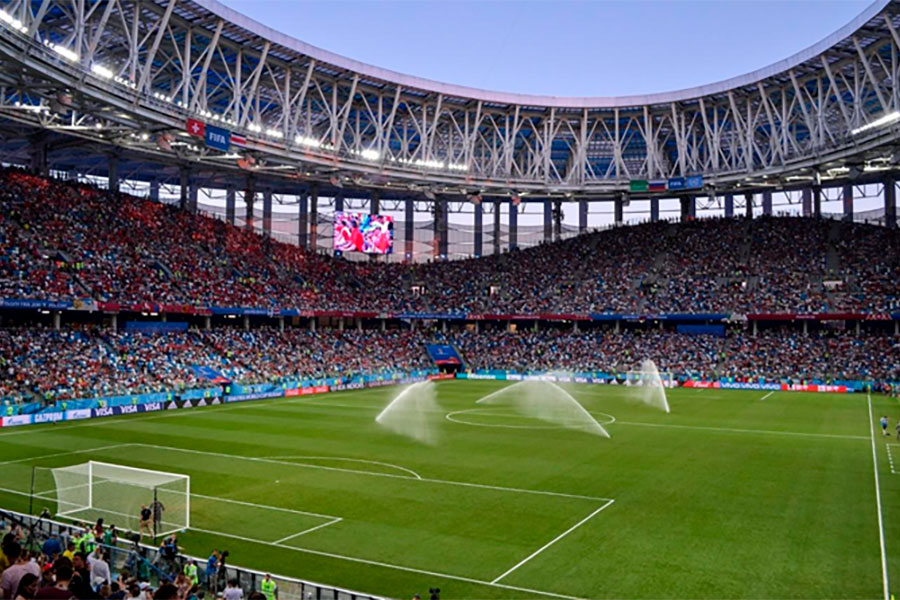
[{"x": 448, "y": 89}]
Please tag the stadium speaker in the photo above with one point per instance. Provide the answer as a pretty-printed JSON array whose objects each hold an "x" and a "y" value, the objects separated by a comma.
[
  {"x": 62, "y": 103},
  {"x": 475, "y": 199},
  {"x": 246, "y": 162},
  {"x": 516, "y": 199},
  {"x": 164, "y": 141},
  {"x": 336, "y": 181}
]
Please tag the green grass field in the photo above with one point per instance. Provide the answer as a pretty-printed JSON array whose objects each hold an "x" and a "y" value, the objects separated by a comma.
[{"x": 730, "y": 495}]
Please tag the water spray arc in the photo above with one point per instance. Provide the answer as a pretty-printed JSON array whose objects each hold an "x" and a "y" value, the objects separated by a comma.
[
  {"x": 546, "y": 401},
  {"x": 409, "y": 413}
]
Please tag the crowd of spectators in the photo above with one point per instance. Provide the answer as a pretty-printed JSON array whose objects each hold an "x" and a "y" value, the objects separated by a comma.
[
  {"x": 48, "y": 366},
  {"x": 786, "y": 354},
  {"x": 87, "y": 362},
  {"x": 92, "y": 562},
  {"x": 60, "y": 240},
  {"x": 267, "y": 354},
  {"x": 772, "y": 355}
]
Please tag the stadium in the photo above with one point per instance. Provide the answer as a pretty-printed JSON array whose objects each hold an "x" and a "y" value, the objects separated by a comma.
[{"x": 277, "y": 323}]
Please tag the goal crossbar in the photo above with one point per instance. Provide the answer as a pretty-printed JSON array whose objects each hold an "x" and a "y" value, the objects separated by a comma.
[{"x": 99, "y": 489}]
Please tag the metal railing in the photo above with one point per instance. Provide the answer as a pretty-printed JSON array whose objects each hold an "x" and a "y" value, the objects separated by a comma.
[{"x": 148, "y": 564}]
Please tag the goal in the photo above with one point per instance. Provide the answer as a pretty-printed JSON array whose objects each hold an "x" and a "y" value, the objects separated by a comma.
[
  {"x": 648, "y": 378},
  {"x": 116, "y": 493}
]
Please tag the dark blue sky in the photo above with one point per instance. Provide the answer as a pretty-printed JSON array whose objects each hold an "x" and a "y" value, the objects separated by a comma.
[{"x": 573, "y": 48}]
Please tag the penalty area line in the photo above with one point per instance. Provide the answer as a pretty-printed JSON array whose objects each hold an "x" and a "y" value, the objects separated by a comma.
[
  {"x": 767, "y": 395},
  {"x": 385, "y": 565},
  {"x": 30, "y": 458},
  {"x": 373, "y": 473},
  {"x": 310, "y": 530},
  {"x": 553, "y": 541}
]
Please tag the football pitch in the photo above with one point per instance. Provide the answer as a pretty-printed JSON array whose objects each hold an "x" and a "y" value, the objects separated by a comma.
[{"x": 740, "y": 494}]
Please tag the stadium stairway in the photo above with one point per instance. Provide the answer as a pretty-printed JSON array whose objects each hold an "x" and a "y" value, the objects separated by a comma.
[{"x": 834, "y": 297}]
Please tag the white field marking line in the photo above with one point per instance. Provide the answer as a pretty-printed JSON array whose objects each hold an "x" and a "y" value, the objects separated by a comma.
[
  {"x": 449, "y": 416},
  {"x": 200, "y": 410},
  {"x": 278, "y": 508},
  {"x": 331, "y": 519},
  {"x": 326, "y": 404},
  {"x": 767, "y": 395},
  {"x": 554, "y": 540},
  {"x": 374, "y": 474},
  {"x": 385, "y": 565},
  {"x": 354, "y": 559},
  {"x": 117, "y": 420},
  {"x": 227, "y": 500},
  {"x": 756, "y": 431},
  {"x": 18, "y": 493},
  {"x": 165, "y": 414},
  {"x": 890, "y": 458},
  {"x": 884, "y": 568},
  {"x": 310, "y": 530},
  {"x": 358, "y": 460},
  {"x": 68, "y": 515},
  {"x": 97, "y": 449}
]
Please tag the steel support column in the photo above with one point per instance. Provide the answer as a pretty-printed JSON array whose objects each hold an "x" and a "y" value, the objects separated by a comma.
[
  {"x": 582, "y": 216},
  {"x": 890, "y": 203},
  {"x": 729, "y": 206},
  {"x": 154, "y": 190},
  {"x": 193, "y": 192},
  {"x": 496, "y": 227},
  {"x": 478, "y": 226},
  {"x": 806, "y": 202},
  {"x": 848, "y": 202},
  {"x": 619, "y": 209},
  {"x": 229, "y": 204},
  {"x": 440, "y": 228},
  {"x": 314, "y": 218},
  {"x": 303, "y": 219},
  {"x": 767, "y": 203},
  {"x": 184, "y": 183},
  {"x": 748, "y": 200},
  {"x": 339, "y": 201},
  {"x": 548, "y": 220},
  {"x": 654, "y": 210},
  {"x": 112, "y": 172},
  {"x": 249, "y": 201},
  {"x": 513, "y": 225},
  {"x": 38, "y": 156},
  {"x": 557, "y": 220},
  {"x": 375, "y": 202},
  {"x": 688, "y": 208},
  {"x": 408, "y": 229},
  {"x": 267, "y": 212},
  {"x": 817, "y": 201}
]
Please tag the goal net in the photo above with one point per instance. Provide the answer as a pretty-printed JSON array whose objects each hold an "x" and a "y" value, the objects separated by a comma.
[
  {"x": 116, "y": 493},
  {"x": 650, "y": 378}
]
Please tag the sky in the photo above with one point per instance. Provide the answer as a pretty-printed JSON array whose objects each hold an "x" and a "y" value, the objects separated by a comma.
[{"x": 560, "y": 47}]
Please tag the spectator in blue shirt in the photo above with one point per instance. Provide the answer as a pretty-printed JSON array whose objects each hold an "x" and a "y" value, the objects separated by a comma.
[
  {"x": 52, "y": 548},
  {"x": 212, "y": 566}
]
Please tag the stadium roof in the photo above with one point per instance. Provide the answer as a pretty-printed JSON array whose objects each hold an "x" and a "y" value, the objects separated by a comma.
[
  {"x": 840, "y": 39},
  {"x": 128, "y": 76}
]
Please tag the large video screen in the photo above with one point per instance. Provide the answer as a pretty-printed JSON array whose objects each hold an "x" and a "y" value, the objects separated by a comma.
[{"x": 370, "y": 234}]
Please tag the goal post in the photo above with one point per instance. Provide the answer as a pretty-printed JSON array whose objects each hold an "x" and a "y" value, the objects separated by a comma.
[
  {"x": 650, "y": 378},
  {"x": 117, "y": 493}
]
